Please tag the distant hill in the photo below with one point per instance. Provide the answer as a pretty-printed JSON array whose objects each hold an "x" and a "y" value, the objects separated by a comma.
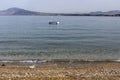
[
  {"x": 108, "y": 13},
  {"x": 18, "y": 11}
]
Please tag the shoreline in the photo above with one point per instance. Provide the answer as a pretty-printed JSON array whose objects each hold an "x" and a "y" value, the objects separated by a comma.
[{"x": 59, "y": 62}]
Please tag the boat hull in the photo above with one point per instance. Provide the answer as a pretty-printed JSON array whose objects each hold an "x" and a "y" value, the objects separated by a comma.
[{"x": 54, "y": 23}]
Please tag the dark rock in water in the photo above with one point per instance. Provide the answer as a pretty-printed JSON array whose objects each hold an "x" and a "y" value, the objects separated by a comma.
[{"x": 3, "y": 65}]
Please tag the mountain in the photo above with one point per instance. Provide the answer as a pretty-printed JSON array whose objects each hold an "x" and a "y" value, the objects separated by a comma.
[
  {"x": 19, "y": 11},
  {"x": 108, "y": 13}
]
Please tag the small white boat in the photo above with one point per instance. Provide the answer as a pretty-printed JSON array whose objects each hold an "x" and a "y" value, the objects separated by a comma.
[{"x": 54, "y": 23}]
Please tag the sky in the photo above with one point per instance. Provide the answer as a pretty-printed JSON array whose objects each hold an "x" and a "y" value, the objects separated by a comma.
[{"x": 66, "y": 6}]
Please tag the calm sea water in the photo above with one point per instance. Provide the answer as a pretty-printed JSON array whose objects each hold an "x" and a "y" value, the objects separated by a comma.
[{"x": 87, "y": 38}]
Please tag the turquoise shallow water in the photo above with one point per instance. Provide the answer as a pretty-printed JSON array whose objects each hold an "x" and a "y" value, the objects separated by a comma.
[{"x": 87, "y": 38}]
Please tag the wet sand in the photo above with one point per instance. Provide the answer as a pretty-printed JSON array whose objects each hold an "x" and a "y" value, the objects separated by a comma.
[{"x": 85, "y": 71}]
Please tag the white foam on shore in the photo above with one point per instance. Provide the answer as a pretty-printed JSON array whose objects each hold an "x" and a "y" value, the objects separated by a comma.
[
  {"x": 117, "y": 60},
  {"x": 62, "y": 60},
  {"x": 23, "y": 61}
]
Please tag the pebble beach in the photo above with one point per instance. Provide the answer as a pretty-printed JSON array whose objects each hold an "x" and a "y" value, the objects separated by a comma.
[{"x": 87, "y": 71}]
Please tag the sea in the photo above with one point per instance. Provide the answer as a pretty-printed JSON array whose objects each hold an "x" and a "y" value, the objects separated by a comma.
[{"x": 76, "y": 37}]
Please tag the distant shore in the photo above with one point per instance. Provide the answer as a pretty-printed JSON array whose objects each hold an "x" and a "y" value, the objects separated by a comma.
[
  {"x": 22, "y": 12},
  {"x": 102, "y": 70}
]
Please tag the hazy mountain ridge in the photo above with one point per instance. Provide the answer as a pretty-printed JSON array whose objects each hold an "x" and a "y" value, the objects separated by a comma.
[
  {"x": 113, "y": 12},
  {"x": 18, "y": 11}
]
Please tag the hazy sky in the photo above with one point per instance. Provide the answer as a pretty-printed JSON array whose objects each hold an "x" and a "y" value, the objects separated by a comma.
[{"x": 62, "y": 5}]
